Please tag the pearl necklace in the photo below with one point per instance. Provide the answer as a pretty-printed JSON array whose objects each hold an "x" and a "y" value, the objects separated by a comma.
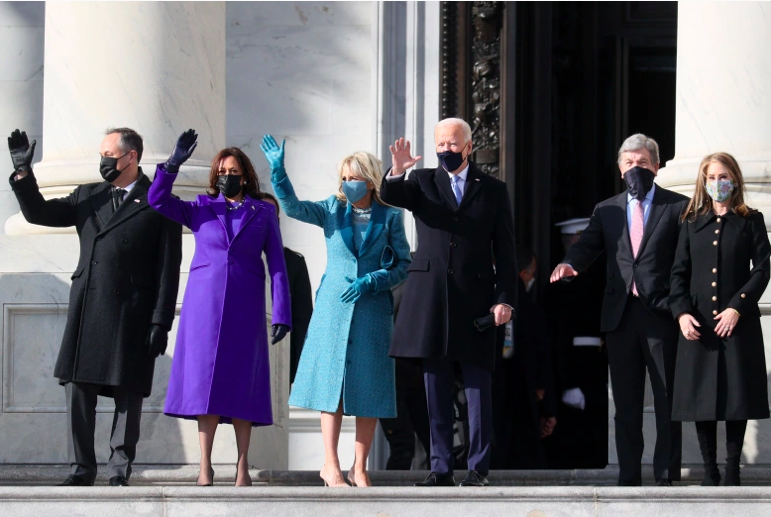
[
  {"x": 235, "y": 207},
  {"x": 361, "y": 210}
]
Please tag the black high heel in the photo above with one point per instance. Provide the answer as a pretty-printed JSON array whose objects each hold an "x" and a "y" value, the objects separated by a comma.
[{"x": 211, "y": 475}]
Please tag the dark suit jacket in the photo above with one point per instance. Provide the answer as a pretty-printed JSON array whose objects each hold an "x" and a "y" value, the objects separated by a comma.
[
  {"x": 451, "y": 280},
  {"x": 608, "y": 231},
  {"x": 126, "y": 279},
  {"x": 302, "y": 306}
]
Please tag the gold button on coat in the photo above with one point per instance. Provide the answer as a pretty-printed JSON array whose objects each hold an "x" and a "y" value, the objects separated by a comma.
[
  {"x": 717, "y": 231},
  {"x": 744, "y": 295},
  {"x": 714, "y": 298},
  {"x": 714, "y": 284},
  {"x": 714, "y": 243},
  {"x": 714, "y": 312},
  {"x": 714, "y": 270},
  {"x": 718, "y": 219}
]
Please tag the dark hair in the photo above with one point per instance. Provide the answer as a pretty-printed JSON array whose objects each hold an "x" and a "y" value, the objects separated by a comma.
[
  {"x": 130, "y": 140},
  {"x": 251, "y": 186},
  {"x": 525, "y": 256},
  {"x": 270, "y": 197}
]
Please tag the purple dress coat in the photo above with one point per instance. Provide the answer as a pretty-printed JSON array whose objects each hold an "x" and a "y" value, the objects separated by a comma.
[{"x": 221, "y": 365}]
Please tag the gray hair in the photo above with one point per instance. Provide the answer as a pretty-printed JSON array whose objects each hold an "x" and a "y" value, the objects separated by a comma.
[
  {"x": 130, "y": 140},
  {"x": 456, "y": 122},
  {"x": 637, "y": 142}
]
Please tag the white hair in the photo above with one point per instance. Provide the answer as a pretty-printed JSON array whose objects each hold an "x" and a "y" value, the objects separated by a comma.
[
  {"x": 637, "y": 142},
  {"x": 456, "y": 122}
]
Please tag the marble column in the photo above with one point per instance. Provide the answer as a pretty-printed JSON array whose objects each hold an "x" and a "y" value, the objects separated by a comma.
[
  {"x": 723, "y": 104},
  {"x": 21, "y": 84},
  {"x": 157, "y": 67}
]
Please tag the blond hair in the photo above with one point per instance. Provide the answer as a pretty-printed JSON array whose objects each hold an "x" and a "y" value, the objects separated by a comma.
[
  {"x": 362, "y": 164},
  {"x": 701, "y": 203}
]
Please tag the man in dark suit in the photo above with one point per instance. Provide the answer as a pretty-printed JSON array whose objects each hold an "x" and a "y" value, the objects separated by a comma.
[
  {"x": 302, "y": 298},
  {"x": 464, "y": 222},
  {"x": 122, "y": 299},
  {"x": 639, "y": 230}
]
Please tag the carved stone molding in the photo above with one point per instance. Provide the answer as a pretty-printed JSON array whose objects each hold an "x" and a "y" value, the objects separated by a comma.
[{"x": 471, "y": 74}]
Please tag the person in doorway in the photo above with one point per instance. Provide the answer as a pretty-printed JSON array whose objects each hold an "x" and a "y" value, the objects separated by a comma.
[
  {"x": 721, "y": 269},
  {"x": 344, "y": 367},
  {"x": 464, "y": 221},
  {"x": 302, "y": 297},
  {"x": 638, "y": 229},
  {"x": 574, "y": 311},
  {"x": 221, "y": 368},
  {"x": 524, "y": 412},
  {"x": 122, "y": 299}
]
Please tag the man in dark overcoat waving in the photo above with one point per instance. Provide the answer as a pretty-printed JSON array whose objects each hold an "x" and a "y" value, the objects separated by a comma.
[
  {"x": 464, "y": 223},
  {"x": 122, "y": 299}
]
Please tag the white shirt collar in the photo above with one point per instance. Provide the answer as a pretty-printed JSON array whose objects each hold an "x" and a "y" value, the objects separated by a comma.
[
  {"x": 648, "y": 196},
  {"x": 128, "y": 188},
  {"x": 462, "y": 174}
]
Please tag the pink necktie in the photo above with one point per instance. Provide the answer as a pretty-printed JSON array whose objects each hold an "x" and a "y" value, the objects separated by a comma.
[{"x": 636, "y": 233}]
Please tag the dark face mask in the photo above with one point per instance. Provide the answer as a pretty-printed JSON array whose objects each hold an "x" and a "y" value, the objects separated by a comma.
[
  {"x": 639, "y": 180},
  {"x": 108, "y": 168},
  {"x": 451, "y": 161},
  {"x": 229, "y": 185}
]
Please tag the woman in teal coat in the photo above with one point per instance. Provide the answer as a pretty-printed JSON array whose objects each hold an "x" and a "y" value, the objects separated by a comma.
[{"x": 344, "y": 367}]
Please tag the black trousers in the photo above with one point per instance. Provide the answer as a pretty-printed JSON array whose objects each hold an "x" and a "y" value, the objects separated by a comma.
[
  {"x": 81, "y": 424},
  {"x": 439, "y": 376},
  {"x": 644, "y": 340}
]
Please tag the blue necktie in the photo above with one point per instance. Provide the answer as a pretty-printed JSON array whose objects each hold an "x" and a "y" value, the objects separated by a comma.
[{"x": 456, "y": 189}]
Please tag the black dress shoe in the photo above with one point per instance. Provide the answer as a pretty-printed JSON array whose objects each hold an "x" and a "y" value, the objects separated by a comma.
[
  {"x": 663, "y": 482},
  {"x": 74, "y": 480},
  {"x": 474, "y": 478},
  {"x": 435, "y": 479},
  {"x": 119, "y": 481}
]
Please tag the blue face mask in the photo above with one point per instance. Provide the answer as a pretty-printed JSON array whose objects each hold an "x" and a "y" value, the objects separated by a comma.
[{"x": 354, "y": 190}]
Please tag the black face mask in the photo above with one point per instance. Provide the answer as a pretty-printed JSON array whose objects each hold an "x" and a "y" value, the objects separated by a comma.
[
  {"x": 451, "y": 161},
  {"x": 639, "y": 180},
  {"x": 108, "y": 168},
  {"x": 229, "y": 185}
]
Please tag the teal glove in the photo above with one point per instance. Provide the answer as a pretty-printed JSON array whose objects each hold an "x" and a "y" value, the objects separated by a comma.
[
  {"x": 274, "y": 154},
  {"x": 360, "y": 286}
]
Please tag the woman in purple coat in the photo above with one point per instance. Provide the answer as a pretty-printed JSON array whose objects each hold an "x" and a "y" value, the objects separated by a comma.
[{"x": 220, "y": 372}]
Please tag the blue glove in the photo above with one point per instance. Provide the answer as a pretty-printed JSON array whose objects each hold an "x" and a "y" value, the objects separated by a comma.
[
  {"x": 359, "y": 287},
  {"x": 184, "y": 148},
  {"x": 274, "y": 154}
]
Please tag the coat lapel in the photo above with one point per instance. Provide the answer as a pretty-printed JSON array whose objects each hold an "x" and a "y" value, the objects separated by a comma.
[
  {"x": 345, "y": 224},
  {"x": 375, "y": 228},
  {"x": 218, "y": 206},
  {"x": 442, "y": 181},
  {"x": 626, "y": 240},
  {"x": 101, "y": 202},
  {"x": 252, "y": 209},
  {"x": 473, "y": 184},
  {"x": 658, "y": 207},
  {"x": 135, "y": 201}
]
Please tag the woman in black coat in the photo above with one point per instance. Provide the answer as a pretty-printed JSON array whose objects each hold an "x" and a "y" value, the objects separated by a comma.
[{"x": 720, "y": 271}]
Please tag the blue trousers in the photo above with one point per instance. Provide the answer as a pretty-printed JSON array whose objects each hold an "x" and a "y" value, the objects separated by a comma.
[{"x": 439, "y": 377}]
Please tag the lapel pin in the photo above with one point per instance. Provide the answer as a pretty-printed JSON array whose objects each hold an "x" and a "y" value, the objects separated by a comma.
[
  {"x": 476, "y": 179},
  {"x": 252, "y": 207},
  {"x": 136, "y": 201}
]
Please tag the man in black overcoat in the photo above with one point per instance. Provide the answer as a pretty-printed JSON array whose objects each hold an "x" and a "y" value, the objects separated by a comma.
[
  {"x": 638, "y": 229},
  {"x": 122, "y": 299},
  {"x": 464, "y": 221}
]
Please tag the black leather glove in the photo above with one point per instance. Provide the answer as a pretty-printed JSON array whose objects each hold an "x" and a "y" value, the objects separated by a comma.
[
  {"x": 184, "y": 148},
  {"x": 279, "y": 331},
  {"x": 157, "y": 340},
  {"x": 21, "y": 151}
]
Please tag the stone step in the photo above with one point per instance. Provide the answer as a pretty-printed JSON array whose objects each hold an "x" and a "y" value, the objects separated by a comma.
[
  {"x": 265, "y": 500},
  {"x": 174, "y": 475}
]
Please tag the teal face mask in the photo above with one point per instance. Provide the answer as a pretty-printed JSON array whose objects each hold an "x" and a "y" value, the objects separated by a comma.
[{"x": 354, "y": 190}]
